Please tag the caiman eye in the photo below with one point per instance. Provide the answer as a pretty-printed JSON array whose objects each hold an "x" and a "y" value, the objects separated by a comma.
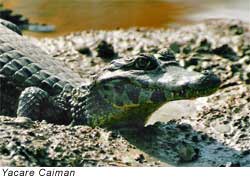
[{"x": 145, "y": 63}]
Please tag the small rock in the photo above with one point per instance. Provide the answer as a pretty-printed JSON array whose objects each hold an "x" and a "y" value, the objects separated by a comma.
[
  {"x": 236, "y": 67},
  {"x": 105, "y": 50},
  {"x": 193, "y": 61},
  {"x": 140, "y": 158},
  {"x": 223, "y": 128},
  {"x": 175, "y": 47},
  {"x": 84, "y": 50},
  {"x": 236, "y": 30},
  {"x": 227, "y": 52},
  {"x": 205, "y": 47},
  {"x": 23, "y": 120},
  {"x": 187, "y": 49},
  {"x": 4, "y": 150},
  {"x": 166, "y": 55},
  {"x": 246, "y": 50}
]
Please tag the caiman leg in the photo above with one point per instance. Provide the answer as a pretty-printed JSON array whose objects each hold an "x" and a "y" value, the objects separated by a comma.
[
  {"x": 31, "y": 102},
  {"x": 36, "y": 104}
]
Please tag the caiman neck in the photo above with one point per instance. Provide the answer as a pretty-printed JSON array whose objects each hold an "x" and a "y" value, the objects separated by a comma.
[{"x": 100, "y": 111}]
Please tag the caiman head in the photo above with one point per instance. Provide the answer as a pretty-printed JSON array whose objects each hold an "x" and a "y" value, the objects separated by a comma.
[{"x": 130, "y": 90}]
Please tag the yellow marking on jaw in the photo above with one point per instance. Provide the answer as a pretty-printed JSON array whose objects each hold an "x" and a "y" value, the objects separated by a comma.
[{"x": 125, "y": 106}]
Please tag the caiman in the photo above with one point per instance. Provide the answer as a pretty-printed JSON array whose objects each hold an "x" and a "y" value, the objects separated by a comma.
[{"x": 128, "y": 91}]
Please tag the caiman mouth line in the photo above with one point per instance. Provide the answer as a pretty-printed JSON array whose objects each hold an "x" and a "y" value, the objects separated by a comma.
[{"x": 186, "y": 91}]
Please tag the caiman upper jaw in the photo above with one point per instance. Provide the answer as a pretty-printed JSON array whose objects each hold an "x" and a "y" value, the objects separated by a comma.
[
  {"x": 206, "y": 84},
  {"x": 177, "y": 83}
]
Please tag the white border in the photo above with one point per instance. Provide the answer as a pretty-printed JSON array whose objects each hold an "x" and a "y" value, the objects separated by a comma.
[{"x": 138, "y": 177}]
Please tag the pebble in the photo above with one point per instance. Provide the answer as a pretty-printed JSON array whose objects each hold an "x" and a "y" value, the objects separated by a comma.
[
  {"x": 84, "y": 51},
  {"x": 140, "y": 158},
  {"x": 223, "y": 128},
  {"x": 105, "y": 50},
  {"x": 23, "y": 120}
]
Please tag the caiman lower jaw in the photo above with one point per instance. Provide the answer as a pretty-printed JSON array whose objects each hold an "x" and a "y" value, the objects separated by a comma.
[
  {"x": 126, "y": 106},
  {"x": 190, "y": 94}
]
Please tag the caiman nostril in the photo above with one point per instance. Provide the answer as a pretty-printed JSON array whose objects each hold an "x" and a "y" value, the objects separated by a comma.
[{"x": 207, "y": 72}]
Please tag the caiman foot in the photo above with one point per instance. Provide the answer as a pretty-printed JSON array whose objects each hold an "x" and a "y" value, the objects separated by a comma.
[
  {"x": 31, "y": 103},
  {"x": 36, "y": 104}
]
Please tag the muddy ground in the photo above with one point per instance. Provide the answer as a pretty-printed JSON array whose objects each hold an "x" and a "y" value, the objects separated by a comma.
[{"x": 209, "y": 131}]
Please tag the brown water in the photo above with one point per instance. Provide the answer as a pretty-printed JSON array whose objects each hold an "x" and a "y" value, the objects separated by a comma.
[{"x": 76, "y": 15}]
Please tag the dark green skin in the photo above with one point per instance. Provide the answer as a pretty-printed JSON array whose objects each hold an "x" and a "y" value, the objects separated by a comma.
[{"x": 125, "y": 93}]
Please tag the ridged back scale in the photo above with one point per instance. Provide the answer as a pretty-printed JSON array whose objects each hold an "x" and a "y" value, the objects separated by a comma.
[{"x": 25, "y": 64}]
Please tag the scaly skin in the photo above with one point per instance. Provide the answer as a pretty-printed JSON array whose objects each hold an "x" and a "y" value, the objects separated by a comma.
[{"x": 126, "y": 92}]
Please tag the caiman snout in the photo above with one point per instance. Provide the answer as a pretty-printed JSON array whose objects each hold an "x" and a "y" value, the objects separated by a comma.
[
  {"x": 207, "y": 84},
  {"x": 180, "y": 83}
]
